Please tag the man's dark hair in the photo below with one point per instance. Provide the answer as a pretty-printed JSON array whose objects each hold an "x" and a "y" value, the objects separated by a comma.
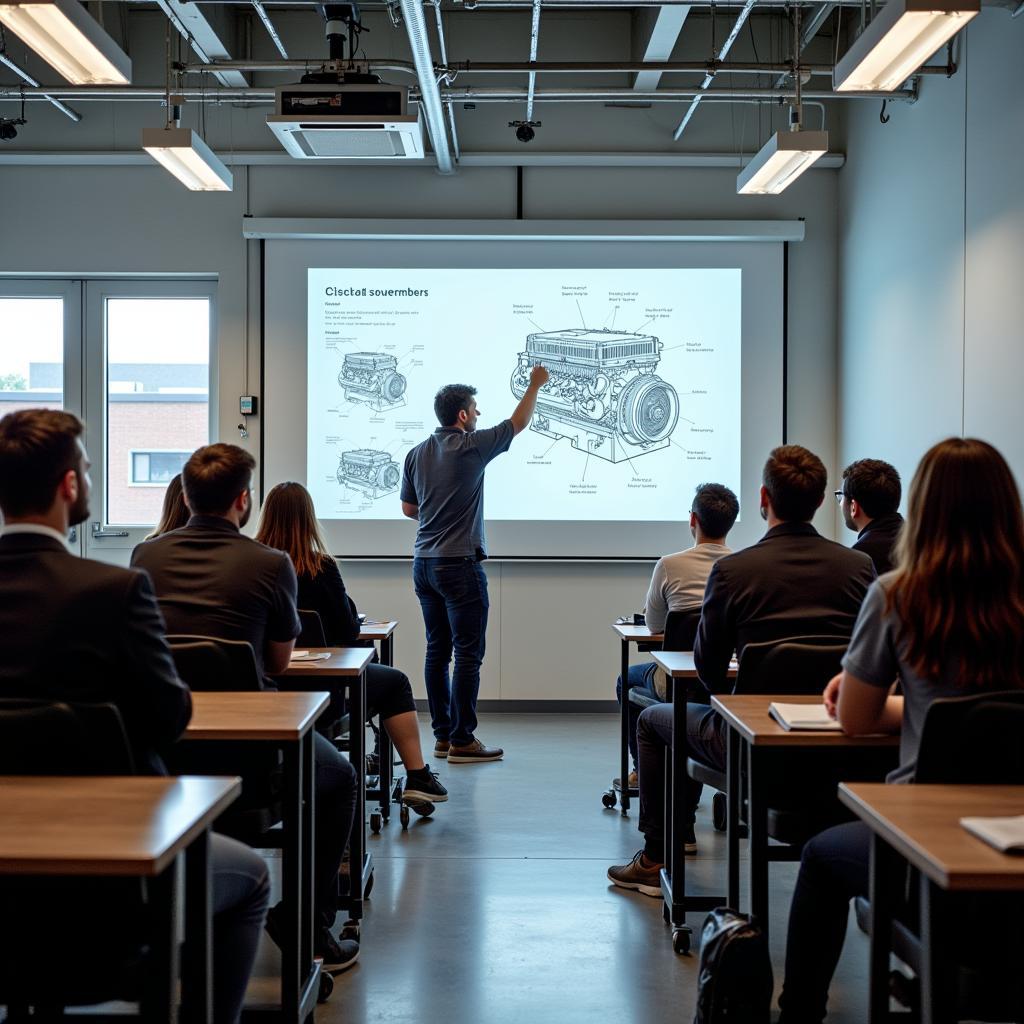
[
  {"x": 716, "y": 509},
  {"x": 215, "y": 476},
  {"x": 874, "y": 485},
  {"x": 37, "y": 447},
  {"x": 450, "y": 401},
  {"x": 795, "y": 480}
]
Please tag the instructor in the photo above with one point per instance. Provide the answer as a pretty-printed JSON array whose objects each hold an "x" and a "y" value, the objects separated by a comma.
[{"x": 443, "y": 490}]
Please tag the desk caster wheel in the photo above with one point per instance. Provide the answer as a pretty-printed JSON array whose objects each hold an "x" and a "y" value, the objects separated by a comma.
[
  {"x": 369, "y": 887},
  {"x": 326, "y": 987},
  {"x": 608, "y": 799},
  {"x": 681, "y": 940},
  {"x": 376, "y": 822},
  {"x": 719, "y": 812},
  {"x": 350, "y": 930},
  {"x": 403, "y": 817}
]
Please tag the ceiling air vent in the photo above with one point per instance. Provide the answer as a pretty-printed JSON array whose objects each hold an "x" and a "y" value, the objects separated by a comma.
[{"x": 346, "y": 122}]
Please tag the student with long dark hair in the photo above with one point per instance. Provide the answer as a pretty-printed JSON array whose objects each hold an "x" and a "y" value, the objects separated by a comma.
[
  {"x": 288, "y": 522},
  {"x": 175, "y": 512},
  {"x": 948, "y": 621}
]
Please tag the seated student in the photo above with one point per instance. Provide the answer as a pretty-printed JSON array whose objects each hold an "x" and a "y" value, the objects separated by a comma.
[
  {"x": 210, "y": 580},
  {"x": 677, "y": 584},
  {"x": 175, "y": 512},
  {"x": 869, "y": 499},
  {"x": 288, "y": 522},
  {"x": 949, "y": 621},
  {"x": 793, "y": 582},
  {"x": 83, "y": 631}
]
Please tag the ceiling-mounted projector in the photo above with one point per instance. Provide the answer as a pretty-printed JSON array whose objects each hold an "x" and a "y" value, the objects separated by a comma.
[{"x": 339, "y": 121}]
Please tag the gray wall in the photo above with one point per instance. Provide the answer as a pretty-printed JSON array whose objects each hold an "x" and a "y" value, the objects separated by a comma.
[{"x": 931, "y": 242}]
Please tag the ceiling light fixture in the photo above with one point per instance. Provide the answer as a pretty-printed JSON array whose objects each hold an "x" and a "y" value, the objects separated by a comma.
[
  {"x": 902, "y": 36},
  {"x": 781, "y": 160},
  {"x": 69, "y": 40},
  {"x": 188, "y": 158}
]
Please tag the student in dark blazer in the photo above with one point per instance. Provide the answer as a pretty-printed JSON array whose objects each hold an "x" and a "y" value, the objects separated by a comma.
[
  {"x": 793, "y": 582},
  {"x": 76, "y": 630},
  {"x": 870, "y": 498}
]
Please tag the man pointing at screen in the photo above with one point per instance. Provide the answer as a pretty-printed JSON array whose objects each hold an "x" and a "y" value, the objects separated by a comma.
[{"x": 443, "y": 490}]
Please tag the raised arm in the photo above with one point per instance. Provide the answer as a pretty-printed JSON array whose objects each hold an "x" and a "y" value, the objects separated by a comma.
[{"x": 524, "y": 410}]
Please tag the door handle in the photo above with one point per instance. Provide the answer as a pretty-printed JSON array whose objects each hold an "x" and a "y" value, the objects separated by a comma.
[
  {"x": 73, "y": 535},
  {"x": 99, "y": 534}
]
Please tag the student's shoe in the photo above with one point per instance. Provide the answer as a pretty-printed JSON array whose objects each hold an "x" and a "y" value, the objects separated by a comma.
[
  {"x": 441, "y": 748},
  {"x": 632, "y": 778},
  {"x": 337, "y": 954},
  {"x": 423, "y": 785},
  {"x": 689, "y": 841},
  {"x": 640, "y": 874},
  {"x": 472, "y": 752}
]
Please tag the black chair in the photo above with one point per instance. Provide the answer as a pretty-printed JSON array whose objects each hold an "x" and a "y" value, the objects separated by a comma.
[
  {"x": 679, "y": 635},
  {"x": 209, "y": 663},
  {"x": 312, "y": 634},
  {"x": 796, "y": 665},
  {"x": 59, "y": 738}
]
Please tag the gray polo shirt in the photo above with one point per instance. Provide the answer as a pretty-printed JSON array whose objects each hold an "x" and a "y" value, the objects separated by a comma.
[
  {"x": 444, "y": 477},
  {"x": 678, "y": 581}
]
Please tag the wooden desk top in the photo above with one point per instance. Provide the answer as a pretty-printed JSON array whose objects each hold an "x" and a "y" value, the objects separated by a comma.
[
  {"x": 264, "y": 715},
  {"x": 923, "y": 824},
  {"x": 102, "y": 825},
  {"x": 679, "y": 664},
  {"x": 343, "y": 662},
  {"x": 376, "y": 630},
  {"x": 636, "y": 634},
  {"x": 748, "y": 715}
]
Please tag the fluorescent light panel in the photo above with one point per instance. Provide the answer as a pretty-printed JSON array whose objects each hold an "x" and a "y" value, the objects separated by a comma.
[
  {"x": 69, "y": 40},
  {"x": 781, "y": 160},
  {"x": 188, "y": 158},
  {"x": 904, "y": 34}
]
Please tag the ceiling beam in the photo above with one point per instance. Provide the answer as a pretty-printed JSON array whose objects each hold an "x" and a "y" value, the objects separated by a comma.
[
  {"x": 655, "y": 38},
  {"x": 190, "y": 21}
]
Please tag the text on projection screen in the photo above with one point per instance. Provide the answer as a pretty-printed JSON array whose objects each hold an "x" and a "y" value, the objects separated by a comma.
[{"x": 643, "y": 403}]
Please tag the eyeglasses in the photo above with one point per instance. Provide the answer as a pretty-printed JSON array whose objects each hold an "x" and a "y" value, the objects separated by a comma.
[{"x": 839, "y": 496}]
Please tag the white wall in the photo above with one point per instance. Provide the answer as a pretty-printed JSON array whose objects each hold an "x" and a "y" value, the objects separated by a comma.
[{"x": 931, "y": 242}]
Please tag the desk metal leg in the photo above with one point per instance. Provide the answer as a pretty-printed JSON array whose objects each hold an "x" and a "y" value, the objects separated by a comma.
[
  {"x": 734, "y": 754},
  {"x": 197, "y": 969},
  {"x": 294, "y": 888},
  {"x": 757, "y": 823},
  {"x": 387, "y": 651},
  {"x": 939, "y": 971},
  {"x": 884, "y": 864},
  {"x": 159, "y": 998},
  {"x": 675, "y": 790},
  {"x": 624, "y": 729},
  {"x": 357, "y": 753},
  {"x": 307, "y": 881}
]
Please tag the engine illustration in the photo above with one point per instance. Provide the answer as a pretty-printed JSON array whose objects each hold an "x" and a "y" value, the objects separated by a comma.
[
  {"x": 372, "y": 378},
  {"x": 372, "y": 472},
  {"x": 603, "y": 393}
]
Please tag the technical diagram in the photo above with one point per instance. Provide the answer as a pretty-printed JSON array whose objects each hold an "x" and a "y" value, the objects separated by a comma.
[
  {"x": 373, "y": 472},
  {"x": 603, "y": 393},
  {"x": 372, "y": 378}
]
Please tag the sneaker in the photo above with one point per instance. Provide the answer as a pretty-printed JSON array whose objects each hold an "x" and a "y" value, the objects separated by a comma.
[
  {"x": 337, "y": 954},
  {"x": 423, "y": 785},
  {"x": 632, "y": 778},
  {"x": 472, "y": 752},
  {"x": 689, "y": 841},
  {"x": 441, "y": 748},
  {"x": 640, "y": 874}
]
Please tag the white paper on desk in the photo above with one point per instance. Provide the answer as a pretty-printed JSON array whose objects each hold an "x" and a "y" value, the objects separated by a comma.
[
  {"x": 1005, "y": 834},
  {"x": 309, "y": 656},
  {"x": 803, "y": 717}
]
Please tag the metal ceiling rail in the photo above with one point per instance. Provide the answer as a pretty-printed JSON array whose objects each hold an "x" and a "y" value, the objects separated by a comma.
[
  {"x": 443, "y": 54},
  {"x": 534, "y": 39},
  {"x": 430, "y": 98},
  {"x": 27, "y": 78},
  {"x": 269, "y": 26}
]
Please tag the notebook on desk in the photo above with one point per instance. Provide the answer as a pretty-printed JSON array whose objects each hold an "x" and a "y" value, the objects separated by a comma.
[
  {"x": 309, "y": 656},
  {"x": 1005, "y": 834},
  {"x": 806, "y": 717}
]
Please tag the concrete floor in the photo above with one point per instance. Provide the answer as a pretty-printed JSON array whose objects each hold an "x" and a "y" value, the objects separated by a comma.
[{"x": 497, "y": 910}]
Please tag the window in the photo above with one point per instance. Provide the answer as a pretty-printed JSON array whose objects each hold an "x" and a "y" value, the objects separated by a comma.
[
  {"x": 31, "y": 352},
  {"x": 155, "y": 469}
]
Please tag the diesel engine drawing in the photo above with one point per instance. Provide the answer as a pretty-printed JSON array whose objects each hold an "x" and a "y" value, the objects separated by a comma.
[
  {"x": 603, "y": 393},
  {"x": 372, "y": 378},
  {"x": 372, "y": 472}
]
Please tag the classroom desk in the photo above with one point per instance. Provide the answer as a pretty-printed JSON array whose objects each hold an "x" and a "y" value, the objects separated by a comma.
[
  {"x": 346, "y": 667},
  {"x": 919, "y": 825},
  {"x": 131, "y": 827},
  {"x": 382, "y": 633},
  {"x": 627, "y": 634},
  {"x": 753, "y": 733},
  {"x": 385, "y": 790},
  {"x": 679, "y": 667},
  {"x": 284, "y": 721}
]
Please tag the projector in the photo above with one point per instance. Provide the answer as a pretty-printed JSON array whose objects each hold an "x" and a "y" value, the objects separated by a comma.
[{"x": 337, "y": 121}]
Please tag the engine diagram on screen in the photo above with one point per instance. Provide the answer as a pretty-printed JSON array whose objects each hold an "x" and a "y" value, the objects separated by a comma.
[
  {"x": 372, "y": 378},
  {"x": 603, "y": 393},
  {"x": 374, "y": 473}
]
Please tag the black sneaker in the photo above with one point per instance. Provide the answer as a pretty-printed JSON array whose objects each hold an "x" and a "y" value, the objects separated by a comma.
[
  {"x": 337, "y": 954},
  {"x": 689, "y": 841},
  {"x": 423, "y": 785}
]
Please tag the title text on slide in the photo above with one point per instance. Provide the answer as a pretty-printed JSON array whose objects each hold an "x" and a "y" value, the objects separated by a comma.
[{"x": 377, "y": 293}]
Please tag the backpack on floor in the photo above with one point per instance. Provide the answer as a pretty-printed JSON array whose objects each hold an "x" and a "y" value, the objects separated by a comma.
[{"x": 734, "y": 984}]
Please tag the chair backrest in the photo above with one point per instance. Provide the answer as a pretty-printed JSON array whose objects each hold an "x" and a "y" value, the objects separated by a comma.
[
  {"x": 40, "y": 737},
  {"x": 210, "y": 663},
  {"x": 681, "y": 630},
  {"x": 312, "y": 634},
  {"x": 795, "y": 665},
  {"x": 973, "y": 740}
]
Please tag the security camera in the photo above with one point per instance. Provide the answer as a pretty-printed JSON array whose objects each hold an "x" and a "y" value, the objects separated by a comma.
[
  {"x": 7, "y": 131},
  {"x": 524, "y": 129}
]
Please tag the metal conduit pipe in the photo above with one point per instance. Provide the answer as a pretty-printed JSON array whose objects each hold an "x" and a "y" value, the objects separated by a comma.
[
  {"x": 443, "y": 54},
  {"x": 534, "y": 39},
  {"x": 29, "y": 80},
  {"x": 269, "y": 26},
  {"x": 430, "y": 97}
]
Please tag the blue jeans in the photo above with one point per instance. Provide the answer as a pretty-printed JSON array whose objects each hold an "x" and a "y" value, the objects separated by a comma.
[
  {"x": 453, "y": 595},
  {"x": 640, "y": 677}
]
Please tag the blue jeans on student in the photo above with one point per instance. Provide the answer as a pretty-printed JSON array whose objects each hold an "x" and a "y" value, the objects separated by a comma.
[
  {"x": 640, "y": 677},
  {"x": 453, "y": 595}
]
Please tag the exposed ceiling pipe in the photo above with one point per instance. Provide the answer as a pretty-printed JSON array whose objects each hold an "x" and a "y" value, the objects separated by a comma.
[
  {"x": 443, "y": 54},
  {"x": 27, "y": 78},
  {"x": 430, "y": 97},
  {"x": 261, "y": 11},
  {"x": 534, "y": 39},
  {"x": 810, "y": 30},
  {"x": 722, "y": 54}
]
